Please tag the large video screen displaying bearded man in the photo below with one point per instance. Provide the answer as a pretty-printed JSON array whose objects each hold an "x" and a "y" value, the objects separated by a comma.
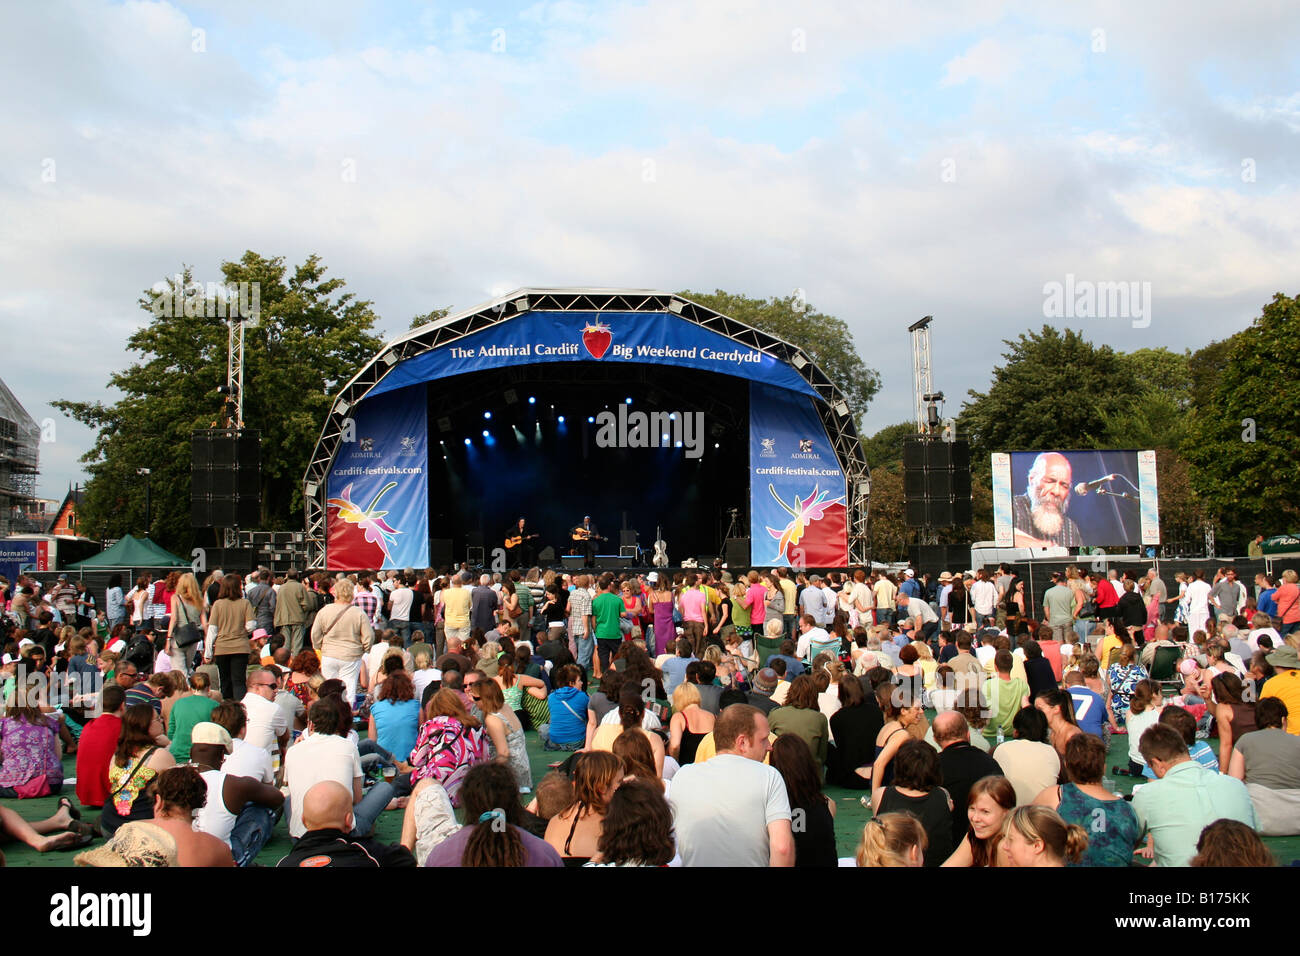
[
  {"x": 1040, "y": 514},
  {"x": 1076, "y": 499}
]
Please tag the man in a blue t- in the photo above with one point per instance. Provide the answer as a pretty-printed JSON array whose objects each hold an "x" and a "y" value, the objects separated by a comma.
[
  {"x": 1089, "y": 706},
  {"x": 793, "y": 666},
  {"x": 568, "y": 705},
  {"x": 675, "y": 667}
]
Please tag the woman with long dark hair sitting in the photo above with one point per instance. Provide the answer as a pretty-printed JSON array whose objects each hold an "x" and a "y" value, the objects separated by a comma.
[
  {"x": 141, "y": 755},
  {"x": 575, "y": 832},
  {"x": 492, "y": 835},
  {"x": 853, "y": 730},
  {"x": 638, "y": 828},
  {"x": 631, "y": 717},
  {"x": 814, "y": 841}
]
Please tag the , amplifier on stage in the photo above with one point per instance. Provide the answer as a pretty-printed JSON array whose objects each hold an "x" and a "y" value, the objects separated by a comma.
[
  {"x": 737, "y": 551},
  {"x": 474, "y": 549}
]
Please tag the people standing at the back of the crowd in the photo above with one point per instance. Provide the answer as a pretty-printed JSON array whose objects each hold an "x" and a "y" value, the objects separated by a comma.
[
  {"x": 291, "y": 610},
  {"x": 187, "y": 625},
  {"x": 230, "y": 622},
  {"x": 158, "y": 607},
  {"x": 261, "y": 596},
  {"x": 342, "y": 634}
]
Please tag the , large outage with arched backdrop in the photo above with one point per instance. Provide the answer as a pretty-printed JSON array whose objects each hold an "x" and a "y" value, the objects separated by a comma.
[{"x": 642, "y": 409}]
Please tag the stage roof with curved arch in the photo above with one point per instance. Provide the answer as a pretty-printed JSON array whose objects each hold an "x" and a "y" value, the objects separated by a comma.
[{"x": 473, "y": 339}]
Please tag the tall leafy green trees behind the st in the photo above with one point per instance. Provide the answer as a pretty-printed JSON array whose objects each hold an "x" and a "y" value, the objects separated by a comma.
[
  {"x": 310, "y": 338},
  {"x": 1244, "y": 436},
  {"x": 1055, "y": 390},
  {"x": 826, "y": 339}
]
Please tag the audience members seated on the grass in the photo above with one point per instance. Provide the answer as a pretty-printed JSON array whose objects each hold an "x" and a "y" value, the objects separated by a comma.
[
  {"x": 1231, "y": 843},
  {"x": 1182, "y": 721},
  {"x": 30, "y": 762},
  {"x": 244, "y": 760},
  {"x": 1112, "y": 825},
  {"x": 1058, "y": 707},
  {"x": 637, "y": 829},
  {"x": 330, "y": 836},
  {"x": 59, "y": 832},
  {"x": 853, "y": 736},
  {"x": 1038, "y": 669},
  {"x": 990, "y": 801},
  {"x": 1088, "y": 706},
  {"x": 1028, "y": 761},
  {"x": 568, "y": 705},
  {"x": 1285, "y": 684},
  {"x": 814, "y": 836},
  {"x": 180, "y": 795},
  {"x": 1268, "y": 762},
  {"x": 326, "y": 754},
  {"x": 493, "y": 834},
  {"x": 733, "y": 810},
  {"x": 1005, "y": 695},
  {"x": 239, "y": 811},
  {"x": 140, "y": 756},
  {"x": 1234, "y": 717},
  {"x": 1145, "y": 705},
  {"x": 136, "y": 843},
  {"x": 1037, "y": 836},
  {"x": 689, "y": 725},
  {"x": 1185, "y": 798},
  {"x": 900, "y": 714},
  {"x": 630, "y": 718},
  {"x": 96, "y": 746},
  {"x": 575, "y": 831},
  {"x": 450, "y": 742},
  {"x": 962, "y": 763},
  {"x": 801, "y": 716},
  {"x": 892, "y": 839},
  {"x": 429, "y": 819},
  {"x": 917, "y": 789}
]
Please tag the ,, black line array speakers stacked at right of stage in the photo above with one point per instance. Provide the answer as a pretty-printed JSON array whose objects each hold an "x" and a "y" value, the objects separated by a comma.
[
  {"x": 226, "y": 478},
  {"x": 936, "y": 483}
]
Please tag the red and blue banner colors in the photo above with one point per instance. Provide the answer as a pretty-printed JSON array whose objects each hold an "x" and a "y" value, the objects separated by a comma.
[
  {"x": 797, "y": 492},
  {"x": 657, "y": 338},
  {"x": 23, "y": 557},
  {"x": 377, "y": 507}
]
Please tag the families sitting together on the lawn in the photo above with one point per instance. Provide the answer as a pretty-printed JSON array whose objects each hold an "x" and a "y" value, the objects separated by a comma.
[{"x": 693, "y": 720}]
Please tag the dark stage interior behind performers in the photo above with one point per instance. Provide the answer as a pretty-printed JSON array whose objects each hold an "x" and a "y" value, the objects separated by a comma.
[{"x": 540, "y": 459}]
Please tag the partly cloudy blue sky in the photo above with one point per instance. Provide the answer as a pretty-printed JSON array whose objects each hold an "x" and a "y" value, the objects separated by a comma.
[{"x": 891, "y": 159}]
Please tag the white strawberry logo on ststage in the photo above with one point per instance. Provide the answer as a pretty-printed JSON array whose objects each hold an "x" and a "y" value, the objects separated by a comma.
[{"x": 596, "y": 338}]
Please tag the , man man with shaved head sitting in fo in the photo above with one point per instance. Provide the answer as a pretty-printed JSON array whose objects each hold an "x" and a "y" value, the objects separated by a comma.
[
  {"x": 327, "y": 815},
  {"x": 962, "y": 765}
]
